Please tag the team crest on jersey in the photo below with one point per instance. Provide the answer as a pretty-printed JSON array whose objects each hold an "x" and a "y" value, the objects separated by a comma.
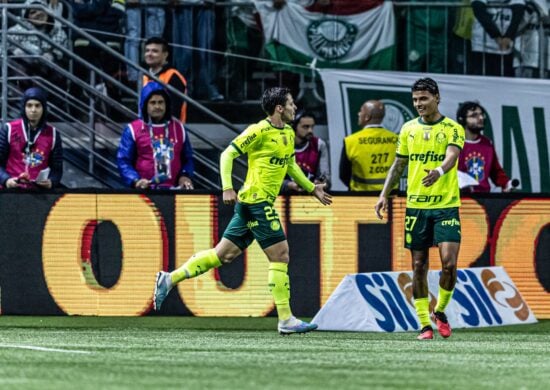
[
  {"x": 440, "y": 137},
  {"x": 475, "y": 165},
  {"x": 35, "y": 158},
  {"x": 285, "y": 140},
  {"x": 275, "y": 225},
  {"x": 331, "y": 39}
]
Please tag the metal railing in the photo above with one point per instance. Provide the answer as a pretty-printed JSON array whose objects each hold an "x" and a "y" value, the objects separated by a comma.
[{"x": 88, "y": 130}]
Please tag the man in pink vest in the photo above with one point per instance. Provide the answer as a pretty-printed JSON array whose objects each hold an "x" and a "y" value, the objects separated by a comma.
[
  {"x": 311, "y": 154},
  {"x": 31, "y": 154},
  {"x": 155, "y": 150}
]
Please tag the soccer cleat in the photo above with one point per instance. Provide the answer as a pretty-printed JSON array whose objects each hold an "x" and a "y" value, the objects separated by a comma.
[
  {"x": 427, "y": 333},
  {"x": 294, "y": 325},
  {"x": 163, "y": 286},
  {"x": 443, "y": 326}
]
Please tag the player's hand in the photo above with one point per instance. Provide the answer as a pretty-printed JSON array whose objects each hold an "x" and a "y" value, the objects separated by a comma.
[
  {"x": 229, "y": 197},
  {"x": 381, "y": 205},
  {"x": 322, "y": 196},
  {"x": 431, "y": 177}
]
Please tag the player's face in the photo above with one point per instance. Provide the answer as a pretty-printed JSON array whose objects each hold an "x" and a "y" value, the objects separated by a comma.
[
  {"x": 33, "y": 111},
  {"x": 289, "y": 110},
  {"x": 156, "y": 108},
  {"x": 304, "y": 128},
  {"x": 425, "y": 103},
  {"x": 475, "y": 120},
  {"x": 154, "y": 56}
]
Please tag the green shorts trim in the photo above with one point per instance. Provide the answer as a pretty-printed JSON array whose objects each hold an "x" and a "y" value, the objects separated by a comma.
[
  {"x": 251, "y": 222},
  {"x": 425, "y": 228}
]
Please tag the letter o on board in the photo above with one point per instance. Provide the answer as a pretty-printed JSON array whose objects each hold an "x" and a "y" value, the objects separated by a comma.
[{"x": 143, "y": 238}]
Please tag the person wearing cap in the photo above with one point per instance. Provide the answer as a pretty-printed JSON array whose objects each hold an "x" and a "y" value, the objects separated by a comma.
[
  {"x": 29, "y": 146},
  {"x": 155, "y": 150}
]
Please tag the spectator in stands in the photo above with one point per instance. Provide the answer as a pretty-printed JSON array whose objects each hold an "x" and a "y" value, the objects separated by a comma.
[
  {"x": 527, "y": 43},
  {"x": 31, "y": 153},
  {"x": 493, "y": 35},
  {"x": 26, "y": 42},
  {"x": 244, "y": 37},
  {"x": 368, "y": 154},
  {"x": 104, "y": 19},
  {"x": 155, "y": 150},
  {"x": 156, "y": 59},
  {"x": 425, "y": 27},
  {"x": 311, "y": 154},
  {"x": 155, "y": 20},
  {"x": 478, "y": 158},
  {"x": 194, "y": 26}
]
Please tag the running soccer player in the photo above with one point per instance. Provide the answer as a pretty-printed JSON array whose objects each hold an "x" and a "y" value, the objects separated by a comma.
[
  {"x": 270, "y": 148},
  {"x": 430, "y": 144}
]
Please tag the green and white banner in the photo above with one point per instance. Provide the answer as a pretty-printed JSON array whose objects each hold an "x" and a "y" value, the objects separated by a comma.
[
  {"x": 298, "y": 36},
  {"x": 518, "y": 114}
]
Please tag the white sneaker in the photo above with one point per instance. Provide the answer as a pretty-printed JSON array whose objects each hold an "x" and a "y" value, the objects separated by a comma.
[
  {"x": 294, "y": 325},
  {"x": 163, "y": 286}
]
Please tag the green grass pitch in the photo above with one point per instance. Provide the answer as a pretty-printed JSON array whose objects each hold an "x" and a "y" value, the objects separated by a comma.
[{"x": 247, "y": 353}]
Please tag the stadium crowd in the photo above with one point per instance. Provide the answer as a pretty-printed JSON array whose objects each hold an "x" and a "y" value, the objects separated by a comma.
[{"x": 179, "y": 42}]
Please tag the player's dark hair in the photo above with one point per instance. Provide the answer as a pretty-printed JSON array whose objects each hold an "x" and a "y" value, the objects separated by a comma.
[
  {"x": 158, "y": 41},
  {"x": 463, "y": 109},
  {"x": 426, "y": 84},
  {"x": 274, "y": 97},
  {"x": 302, "y": 114}
]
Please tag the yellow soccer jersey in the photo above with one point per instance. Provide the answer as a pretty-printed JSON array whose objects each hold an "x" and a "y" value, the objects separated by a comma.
[
  {"x": 270, "y": 152},
  {"x": 425, "y": 145}
]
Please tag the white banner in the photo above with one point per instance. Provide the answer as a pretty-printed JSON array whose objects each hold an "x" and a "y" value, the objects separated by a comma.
[
  {"x": 518, "y": 114},
  {"x": 383, "y": 302}
]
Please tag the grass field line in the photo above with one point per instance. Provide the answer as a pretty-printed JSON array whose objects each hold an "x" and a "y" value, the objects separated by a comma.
[{"x": 43, "y": 349}]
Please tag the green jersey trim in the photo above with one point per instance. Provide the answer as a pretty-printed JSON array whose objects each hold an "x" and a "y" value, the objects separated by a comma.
[
  {"x": 237, "y": 148},
  {"x": 430, "y": 123},
  {"x": 458, "y": 146}
]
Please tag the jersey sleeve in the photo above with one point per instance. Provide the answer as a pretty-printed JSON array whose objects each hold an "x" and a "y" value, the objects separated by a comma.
[
  {"x": 457, "y": 136},
  {"x": 248, "y": 139},
  {"x": 402, "y": 147}
]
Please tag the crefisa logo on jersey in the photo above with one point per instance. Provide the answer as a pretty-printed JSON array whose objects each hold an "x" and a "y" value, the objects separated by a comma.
[{"x": 331, "y": 39}]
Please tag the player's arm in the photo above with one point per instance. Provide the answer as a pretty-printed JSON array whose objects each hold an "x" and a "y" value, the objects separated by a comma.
[
  {"x": 451, "y": 157},
  {"x": 296, "y": 173},
  {"x": 317, "y": 190},
  {"x": 394, "y": 174},
  {"x": 226, "y": 169}
]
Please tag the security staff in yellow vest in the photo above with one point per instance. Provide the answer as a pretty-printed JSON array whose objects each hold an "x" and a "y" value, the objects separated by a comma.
[
  {"x": 156, "y": 58},
  {"x": 368, "y": 154}
]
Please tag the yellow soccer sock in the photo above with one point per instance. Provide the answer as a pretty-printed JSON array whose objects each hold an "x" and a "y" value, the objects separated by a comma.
[
  {"x": 422, "y": 306},
  {"x": 279, "y": 286},
  {"x": 443, "y": 299},
  {"x": 197, "y": 264}
]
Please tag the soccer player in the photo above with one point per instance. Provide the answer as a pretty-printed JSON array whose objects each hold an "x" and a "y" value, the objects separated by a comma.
[
  {"x": 430, "y": 144},
  {"x": 270, "y": 148}
]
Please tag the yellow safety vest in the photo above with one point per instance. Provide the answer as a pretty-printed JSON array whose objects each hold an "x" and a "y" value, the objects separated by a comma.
[{"x": 371, "y": 152}]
